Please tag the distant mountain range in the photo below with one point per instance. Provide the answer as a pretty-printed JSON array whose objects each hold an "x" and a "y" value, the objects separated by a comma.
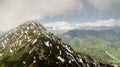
[
  {"x": 30, "y": 45},
  {"x": 98, "y": 25},
  {"x": 103, "y": 44},
  {"x": 95, "y": 28}
]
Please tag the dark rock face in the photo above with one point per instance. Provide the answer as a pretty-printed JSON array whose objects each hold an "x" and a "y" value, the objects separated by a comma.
[{"x": 29, "y": 45}]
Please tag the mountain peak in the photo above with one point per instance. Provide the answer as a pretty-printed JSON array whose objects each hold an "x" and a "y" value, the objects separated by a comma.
[
  {"x": 32, "y": 24},
  {"x": 29, "y": 45},
  {"x": 28, "y": 29}
]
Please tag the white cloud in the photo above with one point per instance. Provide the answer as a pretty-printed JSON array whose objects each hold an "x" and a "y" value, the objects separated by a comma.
[
  {"x": 63, "y": 25},
  {"x": 107, "y": 23},
  {"x": 59, "y": 26},
  {"x": 15, "y": 12}
]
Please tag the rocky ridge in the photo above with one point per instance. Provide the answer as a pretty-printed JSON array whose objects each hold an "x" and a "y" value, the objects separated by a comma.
[{"x": 30, "y": 45}]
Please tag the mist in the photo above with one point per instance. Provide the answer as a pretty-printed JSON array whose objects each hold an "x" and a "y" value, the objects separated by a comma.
[{"x": 16, "y": 12}]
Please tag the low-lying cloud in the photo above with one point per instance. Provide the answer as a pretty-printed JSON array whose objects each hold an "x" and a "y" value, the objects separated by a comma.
[{"x": 63, "y": 25}]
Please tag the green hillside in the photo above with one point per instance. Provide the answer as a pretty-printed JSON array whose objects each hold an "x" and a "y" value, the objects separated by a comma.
[
  {"x": 104, "y": 44},
  {"x": 30, "y": 45}
]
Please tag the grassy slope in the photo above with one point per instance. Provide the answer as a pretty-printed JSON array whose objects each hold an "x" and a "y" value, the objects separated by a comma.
[{"x": 95, "y": 43}]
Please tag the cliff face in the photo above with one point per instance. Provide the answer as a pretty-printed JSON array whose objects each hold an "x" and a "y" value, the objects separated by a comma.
[{"x": 30, "y": 45}]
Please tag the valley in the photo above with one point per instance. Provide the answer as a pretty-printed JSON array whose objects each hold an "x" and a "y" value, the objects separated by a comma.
[{"x": 102, "y": 44}]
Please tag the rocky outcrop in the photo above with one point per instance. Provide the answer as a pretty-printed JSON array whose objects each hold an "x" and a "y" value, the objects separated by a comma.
[{"x": 30, "y": 45}]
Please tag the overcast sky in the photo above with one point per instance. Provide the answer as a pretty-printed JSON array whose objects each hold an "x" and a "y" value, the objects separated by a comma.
[{"x": 100, "y": 12}]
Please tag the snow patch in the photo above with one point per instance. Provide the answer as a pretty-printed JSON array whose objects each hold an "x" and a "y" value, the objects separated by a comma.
[
  {"x": 28, "y": 28},
  {"x": 61, "y": 59},
  {"x": 60, "y": 52},
  {"x": 6, "y": 35},
  {"x": 34, "y": 31},
  {"x": 24, "y": 62},
  {"x": 26, "y": 32},
  {"x": 80, "y": 60},
  {"x": 34, "y": 41},
  {"x": 7, "y": 38},
  {"x": 1, "y": 54},
  {"x": 11, "y": 51},
  {"x": 3, "y": 45},
  {"x": 58, "y": 47},
  {"x": 68, "y": 48},
  {"x": 47, "y": 44}
]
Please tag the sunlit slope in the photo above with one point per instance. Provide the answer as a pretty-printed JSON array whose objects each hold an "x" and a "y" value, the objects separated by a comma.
[{"x": 95, "y": 43}]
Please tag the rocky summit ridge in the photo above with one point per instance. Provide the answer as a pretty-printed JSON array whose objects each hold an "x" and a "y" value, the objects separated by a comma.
[{"x": 30, "y": 45}]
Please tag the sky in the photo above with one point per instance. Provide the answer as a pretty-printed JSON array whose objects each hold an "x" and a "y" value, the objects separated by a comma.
[{"x": 59, "y": 14}]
